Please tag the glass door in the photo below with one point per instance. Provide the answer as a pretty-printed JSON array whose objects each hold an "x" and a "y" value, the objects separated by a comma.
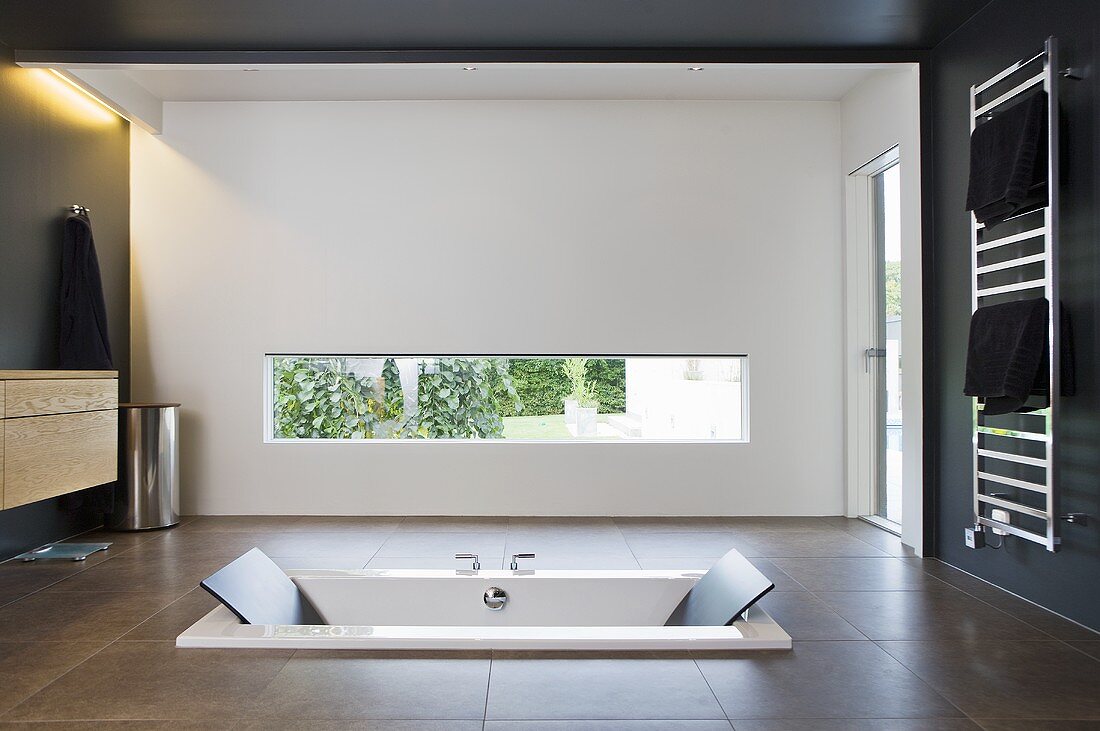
[{"x": 884, "y": 356}]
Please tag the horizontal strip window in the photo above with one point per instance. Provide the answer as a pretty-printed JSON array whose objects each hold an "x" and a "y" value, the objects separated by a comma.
[{"x": 605, "y": 398}]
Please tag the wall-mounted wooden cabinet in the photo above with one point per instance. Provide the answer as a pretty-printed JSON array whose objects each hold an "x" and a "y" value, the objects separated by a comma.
[{"x": 60, "y": 433}]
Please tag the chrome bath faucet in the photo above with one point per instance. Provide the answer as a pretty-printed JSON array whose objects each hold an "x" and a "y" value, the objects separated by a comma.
[
  {"x": 516, "y": 557},
  {"x": 473, "y": 556}
]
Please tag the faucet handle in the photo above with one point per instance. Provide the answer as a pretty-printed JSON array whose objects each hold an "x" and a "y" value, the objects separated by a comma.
[
  {"x": 473, "y": 556},
  {"x": 517, "y": 556}
]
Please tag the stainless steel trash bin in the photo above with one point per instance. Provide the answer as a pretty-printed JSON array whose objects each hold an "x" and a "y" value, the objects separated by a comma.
[{"x": 147, "y": 494}]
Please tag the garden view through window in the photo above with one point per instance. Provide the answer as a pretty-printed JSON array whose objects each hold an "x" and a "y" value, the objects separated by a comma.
[{"x": 326, "y": 397}]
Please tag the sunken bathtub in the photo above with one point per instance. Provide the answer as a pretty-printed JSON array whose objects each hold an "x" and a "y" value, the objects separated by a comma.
[{"x": 407, "y": 609}]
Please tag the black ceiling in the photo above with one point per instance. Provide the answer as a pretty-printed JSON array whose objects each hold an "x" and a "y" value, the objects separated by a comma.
[{"x": 268, "y": 25}]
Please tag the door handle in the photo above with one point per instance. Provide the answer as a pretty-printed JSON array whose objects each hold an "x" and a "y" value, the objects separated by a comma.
[{"x": 872, "y": 353}]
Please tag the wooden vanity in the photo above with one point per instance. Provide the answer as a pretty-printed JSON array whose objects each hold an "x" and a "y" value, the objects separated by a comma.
[{"x": 59, "y": 433}]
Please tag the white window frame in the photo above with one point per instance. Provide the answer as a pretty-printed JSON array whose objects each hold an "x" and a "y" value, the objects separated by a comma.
[
  {"x": 268, "y": 416},
  {"x": 861, "y": 312}
]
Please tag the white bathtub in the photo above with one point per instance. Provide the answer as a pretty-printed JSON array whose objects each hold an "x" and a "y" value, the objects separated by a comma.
[{"x": 388, "y": 609}]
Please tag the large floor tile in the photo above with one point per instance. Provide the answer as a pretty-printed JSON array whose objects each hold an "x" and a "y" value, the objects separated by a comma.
[
  {"x": 269, "y": 724},
  {"x": 618, "y": 725},
  {"x": 1007, "y": 679},
  {"x": 877, "y": 537},
  {"x": 288, "y": 563},
  {"x": 353, "y": 685},
  {"x": 561, "y": 526},
  {"x": 104, "y": 725},
  {"x": 155, "y": 680},
  {"x": 453, "y": 524},
  {"x": 577, "y": 543},
  {"x": 169, "y": 622},
  {"x": 857, "y": 724},
  {"x": 27, "y": 667},
  {"x": 945, "y": 613},
  {"x": 779, "y": 577},
  {"x": 79, "y": 616},
  {"x": 442, "y": 544},
  {"x": 719, "y": 524},
  {"x": 680, "y": 563},
  {"x": 523, "y": 688},
  {"x": 1038, "y": 617},
  {"x": 119, "y": 540},
  {"x": 19, "y": 579},
  {"x": 804, "y": 617},
  {"x": 162, "y": 574},
  {"x": 179, "y": 545},
  {"x": 856, "y": 574},
  {"x": 239, "y": 523},
  {"x": 659, "y": 545},
  {"x": 791, "y": 544},
  {"x": 822, "y": 680},
  {"x": 1089, "y": 648},
  {"x": 1037, "y": 724},
  {"x": 336, "y": 545},
  {"x": 1034, "y": 615},
  {"x": 345, "y": 545},
  {"x": 343, "y": 523}
]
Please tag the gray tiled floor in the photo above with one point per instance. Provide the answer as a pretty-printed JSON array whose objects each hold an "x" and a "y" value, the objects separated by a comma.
[{"x": 882, "y": 640}]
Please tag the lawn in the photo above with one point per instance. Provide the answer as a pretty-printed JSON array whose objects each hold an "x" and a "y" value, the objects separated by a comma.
[
  {"x": 536, "y": 427},
  {"x": 552, "y": 427}
]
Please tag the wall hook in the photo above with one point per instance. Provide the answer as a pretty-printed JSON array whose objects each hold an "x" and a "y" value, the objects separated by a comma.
[
  {"x": 1077, "y": 518},
  {"x": 1072, "y": 72}
]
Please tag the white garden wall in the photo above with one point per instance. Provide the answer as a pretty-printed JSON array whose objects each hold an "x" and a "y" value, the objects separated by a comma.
[{"x": 493, "y": 227}]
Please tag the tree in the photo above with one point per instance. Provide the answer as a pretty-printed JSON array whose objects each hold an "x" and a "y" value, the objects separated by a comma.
[{"x": 892, "y": 276}]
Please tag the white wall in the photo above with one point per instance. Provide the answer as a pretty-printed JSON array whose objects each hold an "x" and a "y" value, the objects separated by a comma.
[
  {"x": 876, "y": 115},
  {"x": 493, "y": 227}
]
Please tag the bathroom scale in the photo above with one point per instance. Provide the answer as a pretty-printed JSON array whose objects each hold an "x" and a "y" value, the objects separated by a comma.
[{"x": 66, "y": 551}]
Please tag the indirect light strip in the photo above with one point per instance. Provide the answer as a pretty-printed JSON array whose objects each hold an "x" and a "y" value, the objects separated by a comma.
[{"x": 85, "y": 92}]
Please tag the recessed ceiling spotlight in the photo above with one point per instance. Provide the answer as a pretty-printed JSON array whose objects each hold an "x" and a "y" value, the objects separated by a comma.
[
  {"x": 695, "y": 68},
  {"x": 469, "y": 68}
]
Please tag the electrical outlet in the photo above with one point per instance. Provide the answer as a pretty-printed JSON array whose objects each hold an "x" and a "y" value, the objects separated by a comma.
[{"x": 1002, "y": 516}]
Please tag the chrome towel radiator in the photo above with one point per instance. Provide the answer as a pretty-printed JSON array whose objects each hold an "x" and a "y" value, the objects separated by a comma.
[{"x": 1015, "y": 455}]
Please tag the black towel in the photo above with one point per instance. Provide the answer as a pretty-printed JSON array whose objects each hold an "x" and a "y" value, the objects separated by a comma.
[
  {"x": 1005, "y": 355},
  {"x": 84, "y": 344},
  {"x": 1008, "y": 161}
]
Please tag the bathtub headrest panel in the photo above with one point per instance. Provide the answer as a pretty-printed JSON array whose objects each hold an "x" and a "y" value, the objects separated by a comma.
[
  {"x": 730, "y": 587},
  {"x": 255, "y": 589}
]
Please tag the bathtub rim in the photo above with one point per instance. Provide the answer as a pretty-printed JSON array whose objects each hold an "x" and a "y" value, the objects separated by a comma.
[{"x": 220, "y": 628}]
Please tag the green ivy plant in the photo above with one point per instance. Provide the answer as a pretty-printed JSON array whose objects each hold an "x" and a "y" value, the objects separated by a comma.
[
  {"x": 393, "y": 399},
  {"x": 320, "y": 398},
  {"x": 460, "y": 398}
]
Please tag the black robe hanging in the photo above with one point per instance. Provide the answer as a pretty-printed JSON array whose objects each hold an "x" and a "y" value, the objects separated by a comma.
[{"x": 84, "y": 344}]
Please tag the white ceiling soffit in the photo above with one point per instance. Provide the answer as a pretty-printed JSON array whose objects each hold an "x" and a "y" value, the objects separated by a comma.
[{"x": 137, "y": 89}]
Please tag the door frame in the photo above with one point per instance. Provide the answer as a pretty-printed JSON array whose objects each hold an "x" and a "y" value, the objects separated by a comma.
[{"x": 860, "y": 303}]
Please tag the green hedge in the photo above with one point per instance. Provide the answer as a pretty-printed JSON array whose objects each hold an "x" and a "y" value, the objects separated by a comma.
[{"x": 541, "y": 384}]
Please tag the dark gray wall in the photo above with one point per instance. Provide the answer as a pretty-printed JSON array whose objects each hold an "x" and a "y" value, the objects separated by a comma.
[
  {"x": 55, "y": 151},
  {"x": 1003, "y": 32}
]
